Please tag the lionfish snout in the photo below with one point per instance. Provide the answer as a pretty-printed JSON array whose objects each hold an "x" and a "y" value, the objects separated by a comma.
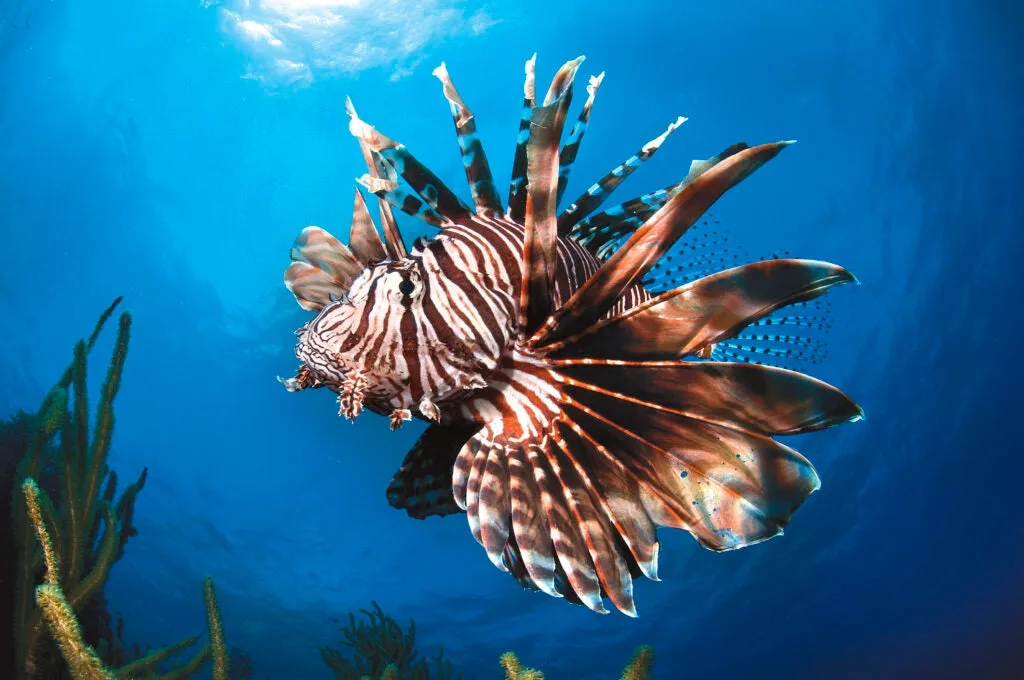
[{"x": 337, "y": 357}]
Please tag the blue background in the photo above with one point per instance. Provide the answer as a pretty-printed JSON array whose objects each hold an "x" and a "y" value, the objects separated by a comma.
[{"x": 170, "y": 153}]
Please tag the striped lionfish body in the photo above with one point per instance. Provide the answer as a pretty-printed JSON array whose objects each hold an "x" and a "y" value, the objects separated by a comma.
[{"x": 573, "y": 406}]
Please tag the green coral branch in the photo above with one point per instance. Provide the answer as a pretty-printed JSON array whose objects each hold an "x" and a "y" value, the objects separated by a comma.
[
  {"x": 82, "y": 659},
  {"x": 190, "y": 668},
  {"x": 26, "y": 616},
  {"x": 32, "y": 494},
  {"x": 218, "y": 648},
  {"x": 147, "y": 664},
  {"x": 514, "y": 671},
  {"x": 86, "y": 524},
  {"x": 59, "y": 614},
  {"x": 125, "y": 510},
  {"x": 76, "y": 465},
  {"x": 640, "y": 666},
  {"x": 103, "y": 561},
  {"x": 96, "y": 466},
  {"x": 66, "y": 377}
]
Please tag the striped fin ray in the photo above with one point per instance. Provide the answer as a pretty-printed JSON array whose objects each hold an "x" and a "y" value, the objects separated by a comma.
[
  {"x": 517, "y": 189},
  {"x": 397, "y": 196},
  {"x": 764, "y": 400},
  {"x": 619, "y": 221},
  {"x": 646, "y": 246},
  {"x": 574, "y": 576},
  {"x": 322, "y": 269},
  {"x": 603, "y": 232},
  {"x": 393, "y": 242},
  {"x": 572, "y": 145},
  {"x": 728, "y": 487},
  {"x": 529, "y": 554},
  {"x": 478, "y": 171},
  {"x": 689, "y": 318},
  {"x": 540, "y": 517},
  {"x": 428, "y": 186},
  {"x": 701, "y": 251},
  {"x": 601, "y": 529},
  {"x": 793, "y": 336},
  {"x": 423, "y": 484},
  {"x": 598, "y": 193},
  {"x": 539, "y": 251}
]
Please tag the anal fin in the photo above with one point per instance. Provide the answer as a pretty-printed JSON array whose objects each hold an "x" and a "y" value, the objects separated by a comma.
[{"x": 423, "y": 484}]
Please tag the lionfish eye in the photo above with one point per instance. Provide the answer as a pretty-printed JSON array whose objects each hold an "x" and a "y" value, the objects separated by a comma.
[{"x": 406, "y": 287}]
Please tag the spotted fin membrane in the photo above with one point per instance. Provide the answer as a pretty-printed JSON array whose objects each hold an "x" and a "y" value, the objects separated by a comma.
[{"x": 793, "y": 337}]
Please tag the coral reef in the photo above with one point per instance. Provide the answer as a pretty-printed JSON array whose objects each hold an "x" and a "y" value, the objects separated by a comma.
[
  {"x": 382, "y": 649},
  {"x": 639, "y": 668}
]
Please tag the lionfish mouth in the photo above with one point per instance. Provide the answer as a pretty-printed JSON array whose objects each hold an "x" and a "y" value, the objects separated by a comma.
[
  {"x": 353, "y": 392},
  {"x": 303, "y": 380}
]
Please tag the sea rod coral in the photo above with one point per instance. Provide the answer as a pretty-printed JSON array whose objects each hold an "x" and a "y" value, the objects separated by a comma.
[
  {"x": 82, "y": 660},
  {"x": 68, "y": 530}
]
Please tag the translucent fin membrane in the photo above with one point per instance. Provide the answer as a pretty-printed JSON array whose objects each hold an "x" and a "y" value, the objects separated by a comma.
[{"x": 793, "y": 337}]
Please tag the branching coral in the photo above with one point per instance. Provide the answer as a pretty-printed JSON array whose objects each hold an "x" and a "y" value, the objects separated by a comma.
[
  {"x": 70, "y": 545},
  {"x": 514, "y": 671},
  {"x": 83, "y": 661},
  {"x": 639, "y": 667},
  {"x": 217, "y": 646},
  {"x": 88, "y": 529},
  {"x": 383, "y": 650}
]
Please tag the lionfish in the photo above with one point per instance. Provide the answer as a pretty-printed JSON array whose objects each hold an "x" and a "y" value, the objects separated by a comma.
[{"x": 573, "y": 407}]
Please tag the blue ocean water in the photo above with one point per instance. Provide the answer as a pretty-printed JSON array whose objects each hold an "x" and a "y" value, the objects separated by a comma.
[{"x": 170, "y": 152}]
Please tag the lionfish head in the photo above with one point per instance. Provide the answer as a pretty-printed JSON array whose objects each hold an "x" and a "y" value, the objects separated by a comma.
[{"x": 390, "y": 341}]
